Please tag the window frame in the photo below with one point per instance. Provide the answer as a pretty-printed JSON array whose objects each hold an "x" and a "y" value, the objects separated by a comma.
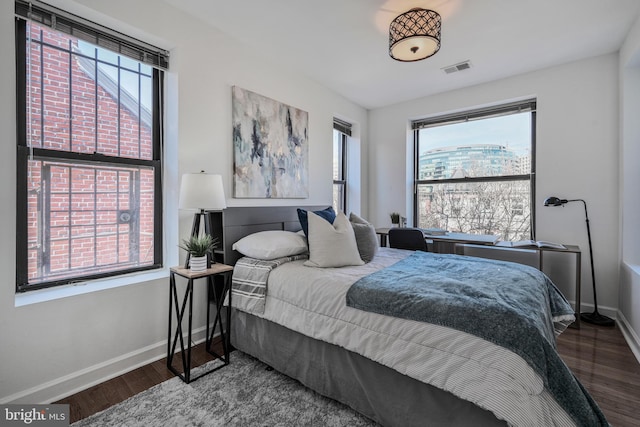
[
  {"x": 344, "y": 130},
  {"x": 477, "y": 114},
  {"x": 24, "y": 153}
]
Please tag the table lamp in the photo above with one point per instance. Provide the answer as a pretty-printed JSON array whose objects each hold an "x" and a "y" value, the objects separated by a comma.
[
  {"x": 202, "y": 192},
  {"x": 595, "y": 317}
]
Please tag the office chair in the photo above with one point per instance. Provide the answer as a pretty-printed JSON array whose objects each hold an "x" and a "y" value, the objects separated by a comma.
[{"x": 407, "y": 238}]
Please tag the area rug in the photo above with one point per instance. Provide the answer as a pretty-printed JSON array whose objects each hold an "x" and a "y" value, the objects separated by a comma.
[{"x": 244, "y": 393}]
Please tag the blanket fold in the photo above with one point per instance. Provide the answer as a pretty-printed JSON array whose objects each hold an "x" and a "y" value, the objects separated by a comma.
[
  {"x": 249, "y": 282},
  {"x": 508, "y": 304}
]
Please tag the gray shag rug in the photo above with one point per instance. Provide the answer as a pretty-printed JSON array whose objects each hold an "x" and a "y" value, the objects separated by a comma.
[{"x": 244, "y": 393}]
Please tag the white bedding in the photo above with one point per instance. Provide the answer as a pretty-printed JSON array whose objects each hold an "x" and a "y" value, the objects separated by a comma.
[{"x": 312, "y": 301}]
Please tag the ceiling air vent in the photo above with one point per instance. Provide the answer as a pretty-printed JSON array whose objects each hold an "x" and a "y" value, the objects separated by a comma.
[{"x": 457, "y": 67}]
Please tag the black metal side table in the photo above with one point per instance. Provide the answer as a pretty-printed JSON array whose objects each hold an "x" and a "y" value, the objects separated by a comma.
[{"x": 217, "y": 298}]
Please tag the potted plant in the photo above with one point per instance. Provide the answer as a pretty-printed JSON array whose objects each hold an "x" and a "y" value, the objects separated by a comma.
[
  {"x": 199, "y": 247},
  {"x": 395, "y": 218}
]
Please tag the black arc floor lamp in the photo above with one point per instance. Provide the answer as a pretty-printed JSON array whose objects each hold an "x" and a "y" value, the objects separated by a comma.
[{"x": 595, "y": 317}]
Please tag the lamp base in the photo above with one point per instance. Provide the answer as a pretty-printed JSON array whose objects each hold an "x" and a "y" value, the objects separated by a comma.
[{"x": 597, "y": 319}]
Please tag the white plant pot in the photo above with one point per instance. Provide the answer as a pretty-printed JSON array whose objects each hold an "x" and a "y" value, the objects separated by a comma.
[{"x": 198, "y": 263}]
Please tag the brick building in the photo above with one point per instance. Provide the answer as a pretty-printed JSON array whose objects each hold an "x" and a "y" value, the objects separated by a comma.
[{"x": 86, "y": 217}]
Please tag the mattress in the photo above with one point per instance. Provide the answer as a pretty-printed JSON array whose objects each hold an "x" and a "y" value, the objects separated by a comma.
[{"x": 311, "y": 301}]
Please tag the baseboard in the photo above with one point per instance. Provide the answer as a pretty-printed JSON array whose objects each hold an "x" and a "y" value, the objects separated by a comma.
[
  {"x": 629, "y": 335},
  {"x": 607, "y": 311},
  {"x": 67, "y": 385}
]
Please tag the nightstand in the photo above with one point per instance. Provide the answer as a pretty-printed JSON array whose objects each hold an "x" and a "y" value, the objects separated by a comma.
[{"x": 178, "y": 311}]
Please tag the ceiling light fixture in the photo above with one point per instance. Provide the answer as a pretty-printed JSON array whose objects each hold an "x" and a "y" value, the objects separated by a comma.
[{"x": 415, "y": 35}]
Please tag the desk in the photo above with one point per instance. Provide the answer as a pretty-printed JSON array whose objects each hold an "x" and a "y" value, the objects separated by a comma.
[
  {"x": 446, "y": 242},
  {"x": 571, "y": 249},
  {"x": 383, "y": 233},
  {"x": 181, "y": 310}
]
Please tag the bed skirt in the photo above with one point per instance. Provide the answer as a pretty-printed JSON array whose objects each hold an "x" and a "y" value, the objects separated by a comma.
[{"x": 374, "y": 390}]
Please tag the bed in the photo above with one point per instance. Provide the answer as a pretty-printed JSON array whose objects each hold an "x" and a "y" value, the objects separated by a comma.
[{"x": 395, "y": 370}]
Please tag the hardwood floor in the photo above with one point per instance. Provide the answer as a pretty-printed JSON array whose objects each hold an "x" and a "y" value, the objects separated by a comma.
[
  {"x": 111, "y": 392},
  {"x": 603, "y": 362},
  {"x": 598, "y": 356}
]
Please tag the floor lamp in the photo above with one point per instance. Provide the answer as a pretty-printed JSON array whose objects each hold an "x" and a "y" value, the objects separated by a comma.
[
  {"x": 595, "y": 317},
  {"x": 202, "y": 192}
]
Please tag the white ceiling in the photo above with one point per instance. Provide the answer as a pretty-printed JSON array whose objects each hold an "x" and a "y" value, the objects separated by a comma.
[{"x": 343, "y": 44}]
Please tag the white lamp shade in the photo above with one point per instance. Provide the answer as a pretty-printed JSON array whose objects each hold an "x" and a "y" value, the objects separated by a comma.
[{"x": 202, "y": 191}]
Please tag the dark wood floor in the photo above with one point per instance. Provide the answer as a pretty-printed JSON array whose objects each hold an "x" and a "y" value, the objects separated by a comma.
[
  {"x": 603, "y": 362},
  {"x": 111, "y": 392},
  {"x": 598, "y": 356}
]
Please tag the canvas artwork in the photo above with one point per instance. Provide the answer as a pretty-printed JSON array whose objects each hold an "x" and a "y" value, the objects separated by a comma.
[{"x": 271, "y": 148}]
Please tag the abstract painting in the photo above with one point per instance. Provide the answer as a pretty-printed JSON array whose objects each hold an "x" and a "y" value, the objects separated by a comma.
[{"x": 270, "y": 146}]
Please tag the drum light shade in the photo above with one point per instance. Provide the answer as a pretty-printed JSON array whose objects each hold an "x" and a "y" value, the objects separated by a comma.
[
  {"x": 415, "y": 35},
  {"x": 202, "y": 191}
]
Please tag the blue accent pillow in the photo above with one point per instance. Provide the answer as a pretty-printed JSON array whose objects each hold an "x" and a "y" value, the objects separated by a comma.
[{"x": 329, "y": 214}]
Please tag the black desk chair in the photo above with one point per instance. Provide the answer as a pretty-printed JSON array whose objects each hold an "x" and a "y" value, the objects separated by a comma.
[{"x": 407, "y": 238}]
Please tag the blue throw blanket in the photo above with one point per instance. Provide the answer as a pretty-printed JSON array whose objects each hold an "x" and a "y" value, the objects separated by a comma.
[{"x": 508, "y": 304}]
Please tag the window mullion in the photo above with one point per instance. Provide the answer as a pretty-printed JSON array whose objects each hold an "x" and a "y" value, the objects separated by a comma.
[
  {"x": 95, "y": 217},
  {"x": 70, "y": 96},
  {"x": 119, "y": 101},
  {"x": 139, "y": 110},
  {"x": 96, "y": 101},
  {"x": 41, "y": 144},
  {"x": 117, "y": 222},
  {"x": 91, "y": 158},
  {"x": 70, "y": 222},
  {"x": 476, "y": 179},
  {"x": 44, "y": 232}
]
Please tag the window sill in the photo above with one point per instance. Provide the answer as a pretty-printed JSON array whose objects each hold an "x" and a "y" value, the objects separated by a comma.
[
  {"x": 633, "y": 267},
  {"x": 51, "y": 294}
]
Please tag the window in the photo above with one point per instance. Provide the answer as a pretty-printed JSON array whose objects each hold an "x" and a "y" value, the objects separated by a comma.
[
  {"x": 341, "y": 130},
  {"x": 89, "y": 151},
  {"x": 473, "y": 171}
]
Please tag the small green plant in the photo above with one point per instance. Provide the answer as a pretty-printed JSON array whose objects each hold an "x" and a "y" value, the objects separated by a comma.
[
  {"x": 199, "y": 246},
  {"x": 395, "y": 217}
]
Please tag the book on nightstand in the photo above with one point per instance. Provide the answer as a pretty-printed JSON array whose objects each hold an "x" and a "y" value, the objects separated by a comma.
[{"x": 532, "y": 243}]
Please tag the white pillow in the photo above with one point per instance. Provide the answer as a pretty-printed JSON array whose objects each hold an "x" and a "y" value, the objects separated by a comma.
[
  {"x": 332, "y": 245},
  {"x": 272, "y": 244}
]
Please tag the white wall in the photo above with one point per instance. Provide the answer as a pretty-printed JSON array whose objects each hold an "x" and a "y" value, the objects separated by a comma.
[
  {"x": 629, "y": 295},
  {"x": 52, "y": 348},
  {"x": 577, "y": 157}
]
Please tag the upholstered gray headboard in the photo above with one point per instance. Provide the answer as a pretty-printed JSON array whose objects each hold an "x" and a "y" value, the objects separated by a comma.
[{"x": 238, "y": 222}]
